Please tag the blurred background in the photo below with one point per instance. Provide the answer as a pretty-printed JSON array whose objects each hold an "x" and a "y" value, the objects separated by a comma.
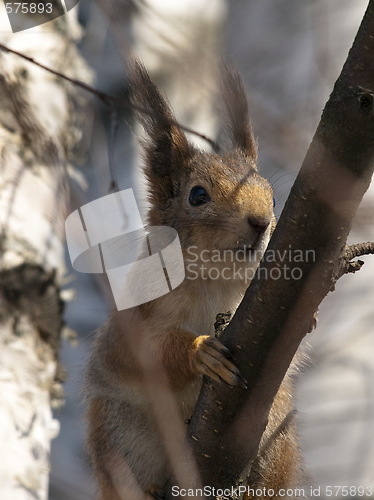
[{"x": 290, "y": 54}]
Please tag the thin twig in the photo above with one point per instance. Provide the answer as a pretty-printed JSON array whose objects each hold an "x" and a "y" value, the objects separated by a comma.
[
  {"x": 103, "y": 96},
  {"x": 359, "y": 249},
  {"x": 346, "y": 265},
  {"x": 107, "y": 99}
]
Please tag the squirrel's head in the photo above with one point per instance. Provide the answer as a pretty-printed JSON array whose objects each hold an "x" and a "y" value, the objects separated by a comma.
[{"x": 214, "y": 201}]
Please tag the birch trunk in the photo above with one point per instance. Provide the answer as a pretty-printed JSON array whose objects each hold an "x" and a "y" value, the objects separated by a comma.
[{"x": 39, "y": 127}]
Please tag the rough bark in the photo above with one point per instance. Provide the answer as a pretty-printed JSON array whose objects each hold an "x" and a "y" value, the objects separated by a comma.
[
  {"x": 276, "y": 313},
  {"x": 39, "y": 129}
]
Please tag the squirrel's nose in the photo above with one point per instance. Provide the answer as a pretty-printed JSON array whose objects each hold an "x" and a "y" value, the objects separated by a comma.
[{"x": 259, "y": 225}]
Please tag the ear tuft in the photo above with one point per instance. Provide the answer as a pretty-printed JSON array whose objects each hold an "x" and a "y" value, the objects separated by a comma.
[
  {"x": 167, "y": 146},
  {"x": 236, "y": 110}
]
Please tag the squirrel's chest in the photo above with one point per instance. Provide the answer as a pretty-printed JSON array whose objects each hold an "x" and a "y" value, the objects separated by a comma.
[{"x": 210, "y": 300}]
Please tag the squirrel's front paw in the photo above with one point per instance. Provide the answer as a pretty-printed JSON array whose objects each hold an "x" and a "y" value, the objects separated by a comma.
[{"x": 209, "y": 357}]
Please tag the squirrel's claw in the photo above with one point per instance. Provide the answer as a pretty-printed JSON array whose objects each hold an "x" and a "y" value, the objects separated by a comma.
[
  {"x": 241, "y": 381},
  {"x": 210, "y": 357}
]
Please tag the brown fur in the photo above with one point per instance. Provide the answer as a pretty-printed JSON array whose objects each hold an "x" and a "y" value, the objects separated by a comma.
[
  {"x": 278, "y": 463},
  {"x": 145, "y": 370}
]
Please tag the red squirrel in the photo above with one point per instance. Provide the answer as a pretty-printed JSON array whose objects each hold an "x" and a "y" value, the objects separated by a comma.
[{"x": 146, "y": 366}]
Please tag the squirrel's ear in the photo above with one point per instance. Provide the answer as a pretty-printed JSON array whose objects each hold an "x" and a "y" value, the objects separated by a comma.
[
  {"x": 166, "y": 146},
  {"x": 236, "y": 112}
]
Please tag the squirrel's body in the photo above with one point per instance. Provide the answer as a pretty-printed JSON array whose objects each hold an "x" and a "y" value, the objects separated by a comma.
[
  {"x": 146, "y": 367},
  {"x": 115, "y": 378}
]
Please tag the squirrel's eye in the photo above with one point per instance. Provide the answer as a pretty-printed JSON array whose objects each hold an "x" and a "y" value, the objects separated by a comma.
[
  {"x": 198, "y": 196},
  {"x": 274, "y": 202}
]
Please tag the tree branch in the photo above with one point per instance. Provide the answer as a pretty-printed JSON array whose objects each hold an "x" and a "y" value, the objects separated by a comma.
[
  {"x": 276, "y": 312},
  {"x": 351, "y": 252}
]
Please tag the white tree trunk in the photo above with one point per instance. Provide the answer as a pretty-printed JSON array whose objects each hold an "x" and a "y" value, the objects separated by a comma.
[{"x": 39, "y": 126}]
